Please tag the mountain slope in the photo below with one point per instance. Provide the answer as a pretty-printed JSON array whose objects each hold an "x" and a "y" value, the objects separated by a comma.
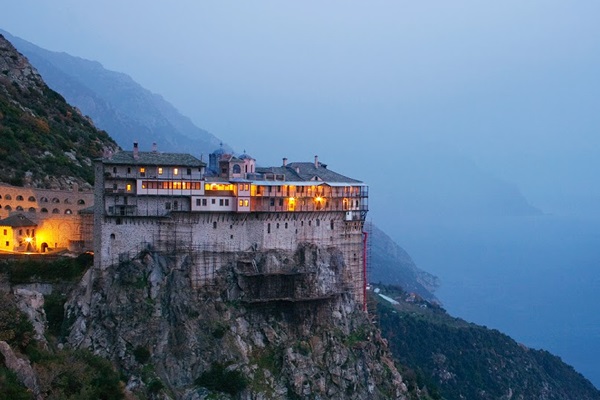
[
  {"x": 45, "y": 141},
  {"x": 467, "y": 361},
  {"x": 392, "y": 265},
  {"x": 116, "y": 103}
]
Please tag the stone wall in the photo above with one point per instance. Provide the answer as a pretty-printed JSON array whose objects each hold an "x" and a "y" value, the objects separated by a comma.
[
  {"x": 209, "y": 238},
  {"x": 32, "y": 201}
]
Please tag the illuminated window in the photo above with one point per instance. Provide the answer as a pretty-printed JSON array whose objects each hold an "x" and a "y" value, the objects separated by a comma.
[
  {"x": 246, "y": 203},
  {"x": 143, "y": 171},
  {"x": 129, "y": 187},
  {"x": 175, "y": 171},
  {"x": 160, "y": 170},
  {"x": 241, "y": 203}
]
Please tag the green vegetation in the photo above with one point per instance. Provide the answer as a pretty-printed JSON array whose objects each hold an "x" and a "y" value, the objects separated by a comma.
[
  {"x": 33, "y": 270},
  {"x": 220, "y": 379},
  {"x": 37, "y": 127},
  {"x": 15, "y": 328},
  {"x": 459, "y": 360},
  {"x": 141, "y": 354},
  {"x": 10, "y": 387},
  {"x": 62, "y": 374}
]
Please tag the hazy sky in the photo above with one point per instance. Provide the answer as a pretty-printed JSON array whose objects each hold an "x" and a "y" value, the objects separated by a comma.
[{"x": 513, "y": 85}]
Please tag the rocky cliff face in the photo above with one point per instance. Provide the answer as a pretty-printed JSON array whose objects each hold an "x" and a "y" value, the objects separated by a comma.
[{"x": 170, "y": 338}]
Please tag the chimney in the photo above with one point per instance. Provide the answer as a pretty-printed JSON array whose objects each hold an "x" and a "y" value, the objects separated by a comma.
[
  {"x": 284, "y": 162},
  {"x": 154, "y": 147},
  {"x": 316, "y": 161},
  {"x": 136, "y": 153}
]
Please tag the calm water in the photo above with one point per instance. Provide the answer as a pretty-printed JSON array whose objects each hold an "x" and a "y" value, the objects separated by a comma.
[{"x": 535, "y": 278}]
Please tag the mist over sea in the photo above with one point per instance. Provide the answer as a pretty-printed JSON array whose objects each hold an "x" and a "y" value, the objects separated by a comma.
[{"x": 535, "y": 278}]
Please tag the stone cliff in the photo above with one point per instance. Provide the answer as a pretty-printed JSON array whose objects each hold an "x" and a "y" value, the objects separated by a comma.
[{"x": 237, "y": 336}]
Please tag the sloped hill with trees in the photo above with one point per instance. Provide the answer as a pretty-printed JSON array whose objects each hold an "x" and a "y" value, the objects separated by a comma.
[
  {"x": 117, "y": 103},
  {"x": 461, "y": 360},
  {"x": 45, "y": 142}
]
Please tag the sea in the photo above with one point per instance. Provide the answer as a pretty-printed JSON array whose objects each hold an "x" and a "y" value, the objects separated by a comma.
[{"x": 535, "y": 278}]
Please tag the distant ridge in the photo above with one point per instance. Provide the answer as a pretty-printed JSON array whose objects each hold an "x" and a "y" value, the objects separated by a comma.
[{"x": 116, "y": 103}]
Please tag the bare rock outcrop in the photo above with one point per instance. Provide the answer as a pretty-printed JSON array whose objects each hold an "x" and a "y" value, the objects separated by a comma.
[
  {"x": 228, "y": 338},
  {"x": 22, "y": 368}
]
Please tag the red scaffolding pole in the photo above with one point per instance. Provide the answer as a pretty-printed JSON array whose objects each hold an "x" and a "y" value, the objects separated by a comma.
[{"x": 365, "y": 238}]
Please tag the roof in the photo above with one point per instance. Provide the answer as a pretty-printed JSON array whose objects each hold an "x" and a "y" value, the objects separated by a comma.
[
  {"x": 154, "y": 158},
  {"x": 306, "y": 171},
  {"x": 17, "y": 220}
]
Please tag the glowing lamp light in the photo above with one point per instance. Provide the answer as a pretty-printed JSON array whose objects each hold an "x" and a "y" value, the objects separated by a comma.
[
  {"x": 318, "y": 199},
  {"x": 28, "y": 240}
]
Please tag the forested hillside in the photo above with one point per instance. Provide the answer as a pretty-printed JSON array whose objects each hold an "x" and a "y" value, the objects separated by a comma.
[{"x": 45, "y": 142}]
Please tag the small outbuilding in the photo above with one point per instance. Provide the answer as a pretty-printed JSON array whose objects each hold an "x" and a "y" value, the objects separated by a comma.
[{"x": 17, "y": 233}]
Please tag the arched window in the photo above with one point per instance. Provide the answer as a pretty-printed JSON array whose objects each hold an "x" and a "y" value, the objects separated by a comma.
[
  {"x": 55, "y": 200},
  {"x": 68, "y": 211},
  {"x": 31, "y": 198},
  {"x": 237, "y": 169},
  {"x": 19, "y": 197},
  {"x": 19, "y": 208},
  {"x": 112, "y": 236},
  {"x": 67, "y": 201},
  {"x": 80, "y": 202},
  {"x": 8, "y": 197},
  {"x": 31, "y": 209},
  {"x": 55, "y": 211},
  {"x": 44, "y": 210},
  {"x": 44, "y": 199},
  {"x": 7, "y": 208}
]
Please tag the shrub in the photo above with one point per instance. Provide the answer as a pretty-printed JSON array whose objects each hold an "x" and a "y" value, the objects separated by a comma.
[
  {"x": 141, "y": 354},
  {"x": 219, "y": 379}
]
